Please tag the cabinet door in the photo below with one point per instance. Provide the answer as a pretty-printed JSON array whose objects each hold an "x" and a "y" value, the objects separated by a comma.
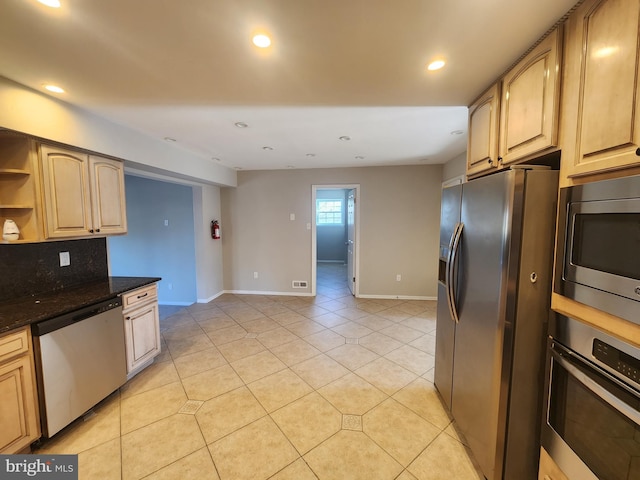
[
  {"x": 601, "y": 101},
  {"x": 107, "y": 195},
  {"x": 142, "y": 333},
  {"x": 67, "y": 204},
  {"x": 530, "y": 102},
  {"x": 548, "y": 468},
  {"x": 18, "y": 416},
  {"x": 482, "y": 150}
]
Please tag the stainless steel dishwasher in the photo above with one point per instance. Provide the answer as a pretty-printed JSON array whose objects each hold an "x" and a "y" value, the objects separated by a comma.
[{"x": 80, "y": 360}]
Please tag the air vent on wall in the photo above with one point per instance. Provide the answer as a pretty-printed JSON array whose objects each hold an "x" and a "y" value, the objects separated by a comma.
[{"x": 299, "y": 284}]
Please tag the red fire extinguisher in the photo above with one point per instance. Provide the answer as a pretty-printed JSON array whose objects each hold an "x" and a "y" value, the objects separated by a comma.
[{"x": 215, "y": 229}]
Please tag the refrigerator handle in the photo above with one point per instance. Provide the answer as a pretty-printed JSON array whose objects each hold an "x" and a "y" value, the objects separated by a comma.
[{"x": 451, "y": 272}]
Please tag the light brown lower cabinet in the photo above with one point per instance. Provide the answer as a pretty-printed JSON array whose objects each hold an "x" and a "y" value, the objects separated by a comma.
[
  {"x": 141, "y": 328},
  {"x": 19, "y": 417},
  {"x": 548, "y": 468}
]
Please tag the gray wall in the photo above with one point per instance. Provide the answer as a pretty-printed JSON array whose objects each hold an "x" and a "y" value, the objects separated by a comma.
[
  {"x": 206, "y": 207},
  {"x": 455, "y": 167},
  {"x": 399, "y": 223},
  {"x": 152, "y": 249},
  {"x": 330, "y": 239}
]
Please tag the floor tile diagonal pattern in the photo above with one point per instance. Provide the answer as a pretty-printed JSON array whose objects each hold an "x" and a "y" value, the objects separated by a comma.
[{"x": 277, "y": 387}]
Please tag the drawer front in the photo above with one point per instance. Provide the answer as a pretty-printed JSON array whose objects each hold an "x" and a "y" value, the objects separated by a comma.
[
  {"x": 14, "y": 344},
  {"x": 139, "y": 296}
]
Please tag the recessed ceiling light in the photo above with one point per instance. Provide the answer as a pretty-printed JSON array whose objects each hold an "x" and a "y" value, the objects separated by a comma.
[
  {"x": 345, "y": 138},
  {"x": 50, "y": 3},
  {"x": 311, "y": 155},
  {"x": 457, "y": 132},
  {"x": 359, "y": 157},
  {"x": 54, "y": 88},
  {"x": 261, "y": 40},
  {"x": 290, "y": 166},
  {"x": 267, "y": 148},
  {"x": 436, "y": 65},
  {"x": 216, "y": 159},
  {"x": 241, "y": 125},
  {"x": 169, "y": 139},
  {"x": 237, "y": 168}
]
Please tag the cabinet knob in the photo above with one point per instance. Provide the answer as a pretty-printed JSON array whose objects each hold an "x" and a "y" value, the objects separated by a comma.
[
  {"x": 500, "y": 159},
  {"x": 97, "y": 230},
  {"x": 638, "y": 152},
  {"x": 91, "y": 230},
  {"x": 490, "y": 162}
]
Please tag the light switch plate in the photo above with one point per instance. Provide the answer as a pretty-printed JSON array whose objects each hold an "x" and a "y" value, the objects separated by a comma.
[{"x": 65, "y": 260}]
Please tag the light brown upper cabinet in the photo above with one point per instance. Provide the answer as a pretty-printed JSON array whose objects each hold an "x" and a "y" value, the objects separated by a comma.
[
  {"x": 482, "y": 148},
  {"x": 530, "y": 102},
  {"x": 601, "y": 99},
  {"x": 20, "y": 186},
  {"x": 82, "y": 195},
  {"x": 517, "y": 118},
  {"x": 107, "y": 195}
]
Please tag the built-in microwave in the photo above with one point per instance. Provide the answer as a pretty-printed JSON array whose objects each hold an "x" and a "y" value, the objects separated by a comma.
[{"x": 598, "y": 260}]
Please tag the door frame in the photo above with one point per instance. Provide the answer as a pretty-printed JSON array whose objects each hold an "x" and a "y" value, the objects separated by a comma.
[{"x": 314, "y": 251}]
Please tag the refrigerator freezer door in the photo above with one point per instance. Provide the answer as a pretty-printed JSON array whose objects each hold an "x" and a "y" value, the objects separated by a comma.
[
  {"x": 445, "y": 335},
  {"x": 445, "y": 331},
  {"x": 449, "y": 216}
]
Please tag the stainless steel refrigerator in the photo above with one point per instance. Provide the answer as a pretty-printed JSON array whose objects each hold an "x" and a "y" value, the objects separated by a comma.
[{"x": 494, "y": 290}]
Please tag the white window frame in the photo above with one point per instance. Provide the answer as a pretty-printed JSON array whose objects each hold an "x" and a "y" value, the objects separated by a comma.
[{"x": 332, "y": 213}]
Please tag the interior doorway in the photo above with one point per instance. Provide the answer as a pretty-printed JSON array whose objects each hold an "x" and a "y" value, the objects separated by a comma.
[{"x": 335, "y": 239}]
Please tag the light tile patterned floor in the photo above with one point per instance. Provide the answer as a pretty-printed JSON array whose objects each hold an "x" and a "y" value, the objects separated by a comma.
[{"x": 258, "y": 387}]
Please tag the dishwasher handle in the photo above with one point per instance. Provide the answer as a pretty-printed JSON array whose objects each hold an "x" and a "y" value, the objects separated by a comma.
[{"x": 61, "y": 321}]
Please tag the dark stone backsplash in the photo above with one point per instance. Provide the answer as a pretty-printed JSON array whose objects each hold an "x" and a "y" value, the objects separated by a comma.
[{"x": 34, "y": 268}]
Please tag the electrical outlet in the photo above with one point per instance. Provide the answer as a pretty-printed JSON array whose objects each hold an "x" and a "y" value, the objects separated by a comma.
[
  {"x": 166, "y": 223},
  {"x": 292, "y": 216},
  {"x": 398, "y": 277},
  {"x": 65, "y": 260},
  {"x": 170, "y": 286},
  {"x": 255, "y": 274}
]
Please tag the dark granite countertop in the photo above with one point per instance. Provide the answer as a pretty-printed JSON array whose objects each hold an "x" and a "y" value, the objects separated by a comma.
[{"x": 30, "y": 309}]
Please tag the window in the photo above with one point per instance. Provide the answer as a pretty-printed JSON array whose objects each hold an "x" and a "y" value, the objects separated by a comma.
[{"x": 329, "y": 212}]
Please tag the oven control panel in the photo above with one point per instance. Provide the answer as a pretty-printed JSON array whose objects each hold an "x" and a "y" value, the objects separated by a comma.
[{"x": 618, "y": 360}]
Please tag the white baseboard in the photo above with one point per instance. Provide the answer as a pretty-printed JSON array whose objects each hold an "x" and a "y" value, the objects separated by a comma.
[
  {"x": 294, "y": 294},
  {"x": 398, "y": 297},
  {"x": 258, "y": 292},
  {"x": 213, "y": 297},
  {"x": 303, "y": 294}
]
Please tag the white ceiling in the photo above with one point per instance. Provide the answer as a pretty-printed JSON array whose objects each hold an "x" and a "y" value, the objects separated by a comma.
[{"x": 185, "y": 69}]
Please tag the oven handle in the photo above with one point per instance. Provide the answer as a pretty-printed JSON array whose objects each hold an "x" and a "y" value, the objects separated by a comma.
[{"x": 604, "y": 394}]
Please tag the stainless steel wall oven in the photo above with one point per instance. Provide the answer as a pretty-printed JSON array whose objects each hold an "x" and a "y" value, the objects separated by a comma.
[
  {"x": 599, "y": 246},
  {"x": 592, "y": 392}
]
